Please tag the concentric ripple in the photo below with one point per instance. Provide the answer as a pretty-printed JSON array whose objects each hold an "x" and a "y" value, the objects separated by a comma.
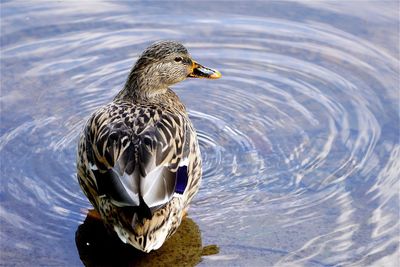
[{"x": 299, "y": 139}]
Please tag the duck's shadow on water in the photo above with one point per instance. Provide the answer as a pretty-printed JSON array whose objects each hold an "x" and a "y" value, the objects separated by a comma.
[{"x": 96, "y": 247}]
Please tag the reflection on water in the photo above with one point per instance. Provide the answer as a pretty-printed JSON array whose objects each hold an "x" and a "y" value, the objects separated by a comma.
[
  {"x": 300, "y": 139},
  {"x": 97, "y": 248}
]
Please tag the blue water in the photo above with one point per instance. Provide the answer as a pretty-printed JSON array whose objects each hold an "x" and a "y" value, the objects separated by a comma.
[{"x": 300, "y": 138}]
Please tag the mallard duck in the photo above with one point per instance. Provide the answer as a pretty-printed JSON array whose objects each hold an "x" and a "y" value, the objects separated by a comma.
[{"x": 139, "y": 161}]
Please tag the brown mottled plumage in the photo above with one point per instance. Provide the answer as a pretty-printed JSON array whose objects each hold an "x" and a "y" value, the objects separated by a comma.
[{"x": 139, "y": 161}]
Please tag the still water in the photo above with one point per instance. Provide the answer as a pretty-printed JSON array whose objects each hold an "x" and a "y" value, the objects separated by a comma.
[{"x": 300, "y": 138}]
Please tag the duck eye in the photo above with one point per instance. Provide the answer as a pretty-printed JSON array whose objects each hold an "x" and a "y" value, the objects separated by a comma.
[{"x": 178, "y": 59}]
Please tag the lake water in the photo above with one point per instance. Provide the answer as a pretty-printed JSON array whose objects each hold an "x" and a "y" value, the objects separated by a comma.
[{"x": 300, "y": 138}]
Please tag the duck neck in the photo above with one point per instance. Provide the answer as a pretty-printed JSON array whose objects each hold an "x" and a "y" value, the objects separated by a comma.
[{"x": 141, "y": 86}]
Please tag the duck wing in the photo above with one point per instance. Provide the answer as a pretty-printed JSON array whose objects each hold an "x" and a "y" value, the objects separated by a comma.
[{"x": 138, "y": 164}]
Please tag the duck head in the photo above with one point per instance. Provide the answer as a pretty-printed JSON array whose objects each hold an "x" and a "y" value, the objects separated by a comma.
[{"x": 163, "y": 64}]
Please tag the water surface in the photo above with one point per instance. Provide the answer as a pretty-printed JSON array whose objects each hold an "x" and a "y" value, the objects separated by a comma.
[{"x": 300, "y": 139}]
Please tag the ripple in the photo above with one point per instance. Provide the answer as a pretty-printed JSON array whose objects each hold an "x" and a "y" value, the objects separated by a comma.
[{"x": 299, "y": 143}]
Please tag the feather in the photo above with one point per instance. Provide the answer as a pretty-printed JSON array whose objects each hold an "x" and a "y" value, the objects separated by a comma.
[{"x": 138, "y": 166}]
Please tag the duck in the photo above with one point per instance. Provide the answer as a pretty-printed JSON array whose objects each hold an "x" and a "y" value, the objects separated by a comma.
[{"x": 138, "y": 160}]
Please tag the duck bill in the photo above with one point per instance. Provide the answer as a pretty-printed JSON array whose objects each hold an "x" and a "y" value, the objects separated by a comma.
[{"x": 199, "y": 71}]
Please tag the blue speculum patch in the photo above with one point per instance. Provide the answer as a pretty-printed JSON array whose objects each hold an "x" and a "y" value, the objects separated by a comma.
[
  {"x": 302, "y": 129},
  {"x": 181, "y": 180}
]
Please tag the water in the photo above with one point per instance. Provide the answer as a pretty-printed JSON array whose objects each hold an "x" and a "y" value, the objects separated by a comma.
[{"x": 300, "y": 138}]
